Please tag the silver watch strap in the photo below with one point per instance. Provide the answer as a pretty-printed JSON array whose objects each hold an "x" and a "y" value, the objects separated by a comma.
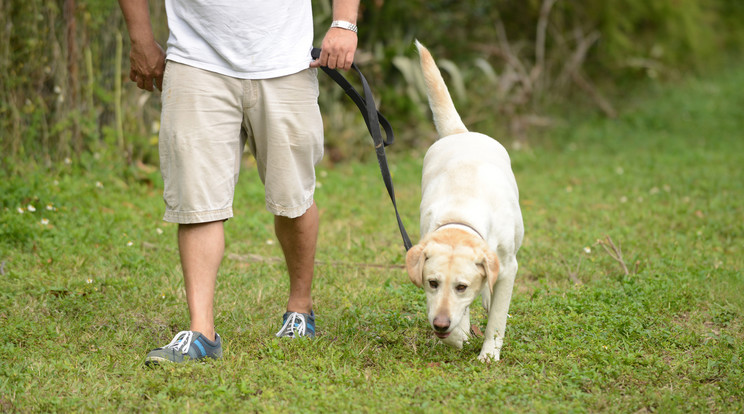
[{"x": 343, "y": 24}]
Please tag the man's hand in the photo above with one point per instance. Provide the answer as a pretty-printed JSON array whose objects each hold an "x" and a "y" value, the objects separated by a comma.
[
  {"x": 147, "y": 64},
  {"x": 337, "y": 49}
]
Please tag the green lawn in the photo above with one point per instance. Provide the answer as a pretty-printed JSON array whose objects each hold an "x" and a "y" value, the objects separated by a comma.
[{"x": 90, "y": 281}]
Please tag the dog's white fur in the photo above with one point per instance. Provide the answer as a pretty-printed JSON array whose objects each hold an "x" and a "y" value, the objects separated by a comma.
[{"x": 471, "y": 225}]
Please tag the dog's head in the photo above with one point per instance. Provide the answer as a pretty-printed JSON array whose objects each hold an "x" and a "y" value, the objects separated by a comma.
[{"x": 453, "y": 267}]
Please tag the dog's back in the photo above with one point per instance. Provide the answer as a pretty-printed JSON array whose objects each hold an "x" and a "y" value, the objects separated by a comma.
[{"x": 456, "y": 144}]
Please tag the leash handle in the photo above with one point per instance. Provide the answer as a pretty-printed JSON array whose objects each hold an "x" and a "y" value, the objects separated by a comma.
[{"x": 374, "y": 119}]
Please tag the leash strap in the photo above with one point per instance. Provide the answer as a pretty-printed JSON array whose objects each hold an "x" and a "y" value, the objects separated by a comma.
[{"x": 374, "y": 119}]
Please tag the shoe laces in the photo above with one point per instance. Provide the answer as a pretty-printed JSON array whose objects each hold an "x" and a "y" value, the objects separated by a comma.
[
  {"x": 181, "y": 342},
  {"x": 295, "y": 323}
]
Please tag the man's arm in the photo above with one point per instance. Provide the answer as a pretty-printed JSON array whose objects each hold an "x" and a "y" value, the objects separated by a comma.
[
  {"x": 146, "y": 58},
  {"x": 339, "y": 44}
]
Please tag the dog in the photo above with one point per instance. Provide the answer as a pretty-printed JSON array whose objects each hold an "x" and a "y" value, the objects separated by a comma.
[{"x": 471, "y": 224}]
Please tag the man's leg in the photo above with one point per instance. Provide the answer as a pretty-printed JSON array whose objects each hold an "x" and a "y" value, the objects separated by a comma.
[
  {"x": 202, "y": 247},
  {"x": 298, "y": 238}
]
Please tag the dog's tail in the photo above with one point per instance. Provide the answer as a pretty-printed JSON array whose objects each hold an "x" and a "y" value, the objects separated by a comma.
[{"x": 446, "y": 118}]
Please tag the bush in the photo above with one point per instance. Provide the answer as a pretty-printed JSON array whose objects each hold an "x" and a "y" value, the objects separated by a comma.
[{"x": 64, "y": 62}]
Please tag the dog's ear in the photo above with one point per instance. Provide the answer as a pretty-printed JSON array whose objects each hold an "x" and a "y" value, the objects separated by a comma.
[
  {"x": 491, "y": 265},
  {"x": 415, "y": 264}
]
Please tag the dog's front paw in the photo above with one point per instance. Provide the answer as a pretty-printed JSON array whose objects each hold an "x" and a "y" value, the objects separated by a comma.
[
  {"x": 487, "y": 356},
  {"x": 457, "y": 338},
  {"x": 453, "y": 340}
]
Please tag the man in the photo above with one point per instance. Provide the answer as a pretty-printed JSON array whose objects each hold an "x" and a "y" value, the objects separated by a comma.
[{"x": 237, "y": 72}]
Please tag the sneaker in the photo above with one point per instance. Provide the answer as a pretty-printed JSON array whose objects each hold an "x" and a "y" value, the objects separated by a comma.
[
  {"x": 297, "y": 325},
  {"x": 185, "y": 346}
]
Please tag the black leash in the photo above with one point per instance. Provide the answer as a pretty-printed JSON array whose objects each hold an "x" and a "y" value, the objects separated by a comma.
[{"x": 374, "y": 119}]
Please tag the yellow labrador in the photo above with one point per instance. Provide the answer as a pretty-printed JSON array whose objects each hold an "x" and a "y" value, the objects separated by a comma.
[{"x": 471, "y": 225}]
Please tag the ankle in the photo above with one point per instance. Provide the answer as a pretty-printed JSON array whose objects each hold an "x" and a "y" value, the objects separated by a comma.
[
  {"x": 300, "y": 306},
  {"x": 206, "y": 333}
]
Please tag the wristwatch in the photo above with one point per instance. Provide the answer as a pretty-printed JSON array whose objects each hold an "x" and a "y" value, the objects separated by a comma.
[{"x": 343, "y": 24}]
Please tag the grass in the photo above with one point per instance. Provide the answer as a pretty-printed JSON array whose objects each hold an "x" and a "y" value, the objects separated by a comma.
[{"x": 91, "y": 281}]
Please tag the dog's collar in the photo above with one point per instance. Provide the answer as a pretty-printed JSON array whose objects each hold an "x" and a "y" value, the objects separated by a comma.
[{"x": 461, "y": 226}]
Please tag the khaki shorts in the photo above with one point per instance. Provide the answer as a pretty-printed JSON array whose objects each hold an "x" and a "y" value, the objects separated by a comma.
[{"x": 207, "y": 119}]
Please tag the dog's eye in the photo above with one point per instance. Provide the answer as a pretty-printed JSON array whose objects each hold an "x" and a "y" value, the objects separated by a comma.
[
  {"x": 433, "y": 284},
  {"x": 461, "y": 288}
]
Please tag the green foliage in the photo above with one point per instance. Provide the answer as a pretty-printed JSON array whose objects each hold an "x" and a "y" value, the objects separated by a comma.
[
  {"x": 57, "y": 95},
  {"x": 656, "y": 35},
  {"x": 672, "y": 33},
  {"x": 86, "y": 294}
]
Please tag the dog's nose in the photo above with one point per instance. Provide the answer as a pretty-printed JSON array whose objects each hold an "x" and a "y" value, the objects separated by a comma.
[{"x": 441, "y": 323}]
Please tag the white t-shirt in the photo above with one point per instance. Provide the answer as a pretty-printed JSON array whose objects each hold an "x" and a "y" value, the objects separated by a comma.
[{"x": 247, "y": 39}]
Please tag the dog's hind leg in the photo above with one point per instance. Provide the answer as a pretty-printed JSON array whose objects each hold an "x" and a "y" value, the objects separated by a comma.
[{"x": 498, "y": 312}]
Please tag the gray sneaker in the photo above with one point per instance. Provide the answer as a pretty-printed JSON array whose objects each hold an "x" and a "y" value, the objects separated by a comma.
[
  {"x": 297, "y": 325},
  {"x": 186, "y": 346}
]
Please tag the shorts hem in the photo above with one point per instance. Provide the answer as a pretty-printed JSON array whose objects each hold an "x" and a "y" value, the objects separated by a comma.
[
  {"x": 293, "y": 212},
  {"x": 194, "y": 217}
]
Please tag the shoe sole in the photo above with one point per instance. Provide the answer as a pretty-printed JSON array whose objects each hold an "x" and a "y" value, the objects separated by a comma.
[{"x": 157, "y": 360}]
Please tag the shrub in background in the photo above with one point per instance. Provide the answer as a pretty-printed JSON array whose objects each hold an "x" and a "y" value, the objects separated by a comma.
[{"x": 65, "y": 90}]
